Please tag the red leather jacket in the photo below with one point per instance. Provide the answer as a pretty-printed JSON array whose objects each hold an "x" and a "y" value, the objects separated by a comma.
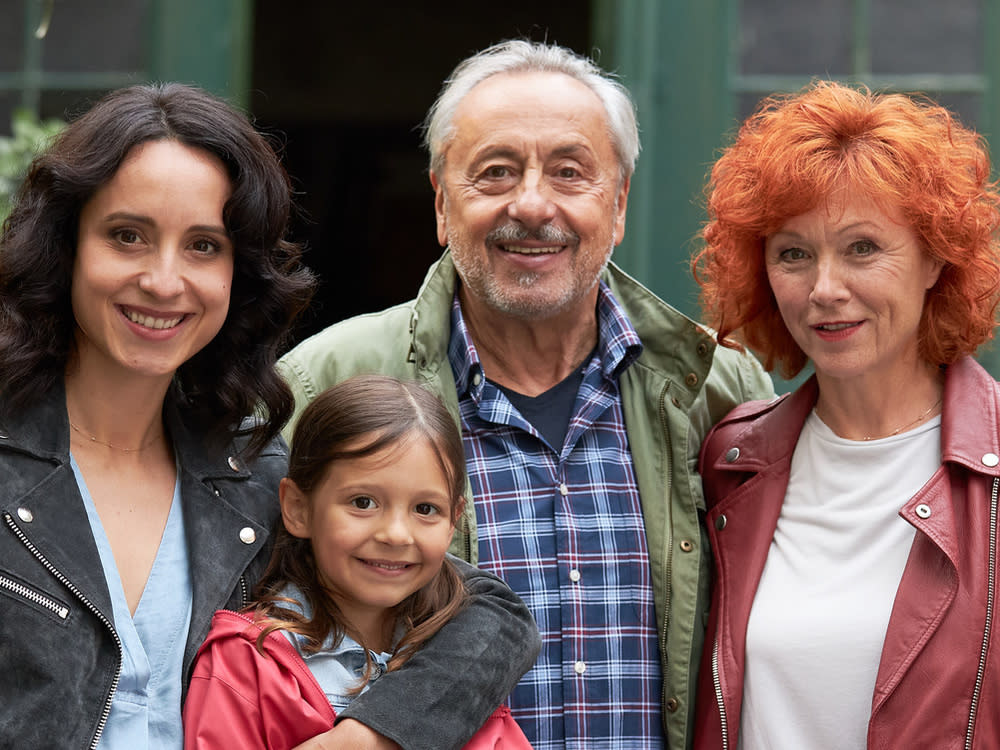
[
  {"x": 241, "y": 698},
  {"x": 938, "y": 683}
]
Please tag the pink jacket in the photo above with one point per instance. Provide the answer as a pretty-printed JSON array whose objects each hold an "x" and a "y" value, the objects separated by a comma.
[
  {"x": 240, "y": 698},
  {"x": 938, "y": 683}
]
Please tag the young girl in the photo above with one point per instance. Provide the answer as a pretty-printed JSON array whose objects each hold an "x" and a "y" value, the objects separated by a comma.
[{"x": 358, "y": 580}]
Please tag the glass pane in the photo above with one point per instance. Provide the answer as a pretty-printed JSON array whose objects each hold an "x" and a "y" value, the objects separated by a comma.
[
  {"x": 927, "y": 36},
  {"x": 9, "y": 101},
  {"x": 791, "y": 37},
  {"x": 98, "y": 35},
  {"x": 11, "y": 37}
]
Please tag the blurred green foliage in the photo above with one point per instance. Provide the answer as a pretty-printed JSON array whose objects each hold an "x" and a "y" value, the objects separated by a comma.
[{"x": 28, "y": 136}]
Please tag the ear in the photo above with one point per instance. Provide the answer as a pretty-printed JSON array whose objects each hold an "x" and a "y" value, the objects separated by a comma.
[
  {"x": 933, "y": 272},
  {"x": 620, "y": 208},
  {"x": 294, "y": 509},
  {"x": 440, "y": 209},
  {"x": 459, "y": 510}
]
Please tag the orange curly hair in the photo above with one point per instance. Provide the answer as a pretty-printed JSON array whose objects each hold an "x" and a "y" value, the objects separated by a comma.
[{"x": 900, "y": 151}]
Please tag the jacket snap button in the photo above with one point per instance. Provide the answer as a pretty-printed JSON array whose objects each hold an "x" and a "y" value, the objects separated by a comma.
[
  {"x": 732, "y": 454},
  {"x": 691, "y": 379},
  {"x": 923, "y": 510},
  {"x": 686, "y": 545},
  {"x": 720, "y": 523},
  {"x": 248, "y": 535},
  {"x": 672, "y": 704},
  {"x": 25, "y": 515},
  {"x": 991, "y": 459},
  {"x": 234, "y": 464}
]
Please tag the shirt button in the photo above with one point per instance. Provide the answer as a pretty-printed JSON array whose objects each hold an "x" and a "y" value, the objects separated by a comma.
[
  {"x": 25, "y": 515},
  {"x": 671, "y": 704},
  {"x": 477, "y": 379},
  {"x": 580, "y": 667},
  {"x": 991, "y": 459},
  {"x": 574, "y": 575},
  {"x": 248, "y": 535},
  {"x": 563, "y": 489}
]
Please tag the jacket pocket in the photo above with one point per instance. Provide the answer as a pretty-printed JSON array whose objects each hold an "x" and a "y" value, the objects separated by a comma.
[{"x": 20, "y": 591}]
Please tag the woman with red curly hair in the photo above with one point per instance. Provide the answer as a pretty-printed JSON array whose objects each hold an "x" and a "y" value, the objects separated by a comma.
[{"x": 854, "y": 521}]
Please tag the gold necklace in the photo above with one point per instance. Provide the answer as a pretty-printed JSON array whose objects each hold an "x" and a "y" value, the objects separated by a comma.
[
  {"x": 94, "y": 439},
  {"x": 908, "y": 424}
]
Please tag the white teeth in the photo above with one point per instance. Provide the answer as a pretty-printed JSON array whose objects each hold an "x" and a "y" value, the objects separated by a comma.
[
  {"x": 835, "y": 326},
  {"x": 388, "y": 566},
  {"x": 148, "y": 321},
  {"x": 532, "y": 250}
]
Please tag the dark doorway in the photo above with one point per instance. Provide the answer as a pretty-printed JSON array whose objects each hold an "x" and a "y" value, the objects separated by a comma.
[{"x": 345, "y": 86}]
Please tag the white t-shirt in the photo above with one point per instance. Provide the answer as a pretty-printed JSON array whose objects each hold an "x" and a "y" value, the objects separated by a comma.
[{"x": 819, "y": 617}]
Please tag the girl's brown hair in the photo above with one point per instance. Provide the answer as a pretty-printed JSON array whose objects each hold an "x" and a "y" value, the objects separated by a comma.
[{"x": 359, "y": 417}]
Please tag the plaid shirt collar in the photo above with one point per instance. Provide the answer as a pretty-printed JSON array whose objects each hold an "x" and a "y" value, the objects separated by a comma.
[{"x": 618, "y": 344}]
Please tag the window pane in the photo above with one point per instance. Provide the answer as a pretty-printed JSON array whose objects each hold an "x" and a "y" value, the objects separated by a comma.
[
  {"x": 97, "y": 36},
  {"x": 927, "y": 36},
  {"x": 791, "y": 37},
  {"x": 12, "y": 36}
]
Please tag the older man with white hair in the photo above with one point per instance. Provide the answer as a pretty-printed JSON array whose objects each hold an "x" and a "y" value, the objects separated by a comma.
[{"x": 582, "y": 397}]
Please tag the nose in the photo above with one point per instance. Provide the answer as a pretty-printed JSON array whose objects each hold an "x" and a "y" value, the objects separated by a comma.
[
  {"x": 532, "y": 205},
  {"x": 394, "y": 529},
  {"x": 829, "y": 284},
  {"x": 163, "y": 275}
]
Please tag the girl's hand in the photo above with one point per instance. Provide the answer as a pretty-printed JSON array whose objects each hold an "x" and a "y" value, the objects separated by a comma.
[{"x": 349, "y": 734}]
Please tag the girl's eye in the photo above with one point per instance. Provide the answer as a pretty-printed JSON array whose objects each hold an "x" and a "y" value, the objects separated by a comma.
[
  {"x": 363, "y": 502},
  {"x": 427, "y": 509}
]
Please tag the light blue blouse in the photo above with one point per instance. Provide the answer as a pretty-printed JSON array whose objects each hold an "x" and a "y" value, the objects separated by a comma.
[
  {"x": 338, "y": 668},
  {"x": 146, "y": 707}
]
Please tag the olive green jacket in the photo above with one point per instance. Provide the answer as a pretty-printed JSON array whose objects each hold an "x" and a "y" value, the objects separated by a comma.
[{"x": 672, "y": 394}]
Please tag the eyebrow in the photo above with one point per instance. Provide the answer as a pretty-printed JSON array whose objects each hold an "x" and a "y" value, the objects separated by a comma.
[{"x": 148, "y": 221}]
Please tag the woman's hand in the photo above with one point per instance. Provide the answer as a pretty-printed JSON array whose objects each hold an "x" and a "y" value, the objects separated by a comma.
[{"x": 349, "y": 734}]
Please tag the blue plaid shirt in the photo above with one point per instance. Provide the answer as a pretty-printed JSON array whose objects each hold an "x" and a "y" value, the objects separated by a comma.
[{"x": 566, "y": 532}]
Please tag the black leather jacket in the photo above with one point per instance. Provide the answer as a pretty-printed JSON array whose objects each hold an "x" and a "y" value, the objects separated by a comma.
[{"x": 59, "y": 652}]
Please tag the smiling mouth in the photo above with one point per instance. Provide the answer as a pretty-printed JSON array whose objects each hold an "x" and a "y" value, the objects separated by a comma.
[
  {"x": 387, "y": 565},
  {"x": 522, "y": 250},
  {"x": 835, "y": 326},
  {"x": 149, "y": 321}
]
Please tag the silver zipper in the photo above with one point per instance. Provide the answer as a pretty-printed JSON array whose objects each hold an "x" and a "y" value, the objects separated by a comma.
[
  {"x": 990, "y": 598},
  {"x": 97, "y": 613},
  {"x": 60, "y": 610},
  {"x": 244, "y": 595},
  {"x": 717, "y": 684}
]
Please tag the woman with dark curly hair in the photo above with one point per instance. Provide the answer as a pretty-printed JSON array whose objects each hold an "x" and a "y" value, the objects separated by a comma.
[
  {"x": 854, "y": 521},
  {"x": 146, "y": 289}
]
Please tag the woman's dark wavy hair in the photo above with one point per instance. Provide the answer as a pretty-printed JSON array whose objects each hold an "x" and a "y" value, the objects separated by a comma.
[
  {"x": 359, "y": 417},
  {"x": 234, "y": 375}
]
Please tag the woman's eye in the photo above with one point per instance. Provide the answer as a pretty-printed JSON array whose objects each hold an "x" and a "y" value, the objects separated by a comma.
[
  {"x": 126, "y": 236},
  {"x": 793, "y": 253},
  {"x": 205, "y": 246},
  {"x": 363, "y": 502},
  {"x": 864, "y": 247}
]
